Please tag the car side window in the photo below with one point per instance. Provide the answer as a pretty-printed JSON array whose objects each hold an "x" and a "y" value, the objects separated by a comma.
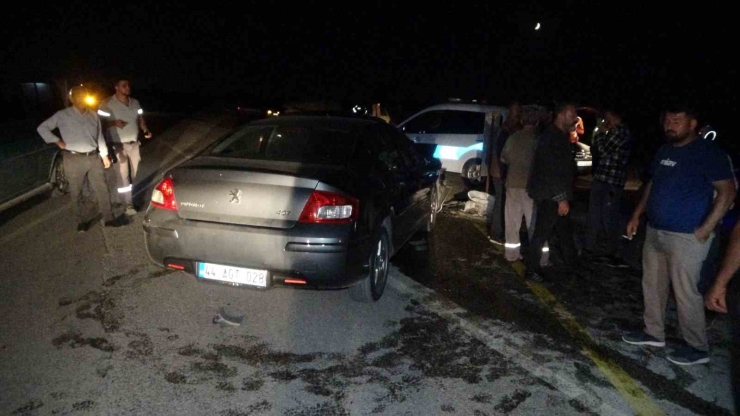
[
  {"x": 380, "y": 147},
  {"x": 446, "y": 122},
  {"x": 405, "y": 147}
]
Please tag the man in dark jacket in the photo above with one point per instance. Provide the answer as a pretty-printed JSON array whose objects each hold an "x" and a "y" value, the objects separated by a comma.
[{"x": 551, "y": 187}]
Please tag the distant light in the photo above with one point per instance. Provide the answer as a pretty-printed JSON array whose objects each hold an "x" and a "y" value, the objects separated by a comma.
[
  {"x": 277, "y": 113},
  {"x": 238, "y": 108},
  {"x": 269, "y": 112},
  {"x": 90, "y": 100},
  {"x": 538, "y": 26},
  {"x": 140, "y": 111}
]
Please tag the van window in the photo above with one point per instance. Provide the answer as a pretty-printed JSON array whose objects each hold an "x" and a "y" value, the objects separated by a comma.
[{"x": 446, "y": 122}]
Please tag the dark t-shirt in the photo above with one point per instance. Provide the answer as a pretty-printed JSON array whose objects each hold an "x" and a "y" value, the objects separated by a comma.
[{"x": 682, "y": 194}]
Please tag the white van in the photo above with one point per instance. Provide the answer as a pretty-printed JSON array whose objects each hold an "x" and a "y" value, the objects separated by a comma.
[{"x": 459, "y": 131}]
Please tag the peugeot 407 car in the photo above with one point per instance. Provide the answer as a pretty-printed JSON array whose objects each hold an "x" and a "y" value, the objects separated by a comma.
[{"x": 299, "y": 200}]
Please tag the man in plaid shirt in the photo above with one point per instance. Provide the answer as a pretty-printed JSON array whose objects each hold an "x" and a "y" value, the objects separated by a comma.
[{"x": 611, "y": 150}]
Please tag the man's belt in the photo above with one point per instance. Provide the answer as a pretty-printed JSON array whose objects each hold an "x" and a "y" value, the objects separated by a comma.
[{"x": 92, "y": 152}]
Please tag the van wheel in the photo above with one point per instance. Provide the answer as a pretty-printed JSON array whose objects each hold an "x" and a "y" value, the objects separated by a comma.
[
  {"x": 59, "y": 178},
  {"x": 372, "y": 287},
  {"x": 471, "y": 173}
]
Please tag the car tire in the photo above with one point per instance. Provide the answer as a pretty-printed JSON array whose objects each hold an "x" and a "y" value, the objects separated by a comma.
[
  {"x": 471, "y": 173},
  {"x": 59, "y": 182},
  {"x": 372, "y": 287}
]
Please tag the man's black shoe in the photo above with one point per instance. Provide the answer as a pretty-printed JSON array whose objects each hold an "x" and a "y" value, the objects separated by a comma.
[
  {"x": 617, "y": 263},
  {"x": 117, "y": 222},
  {"x": 534, "y": 276},
  {"x": 83, "y": 227}
]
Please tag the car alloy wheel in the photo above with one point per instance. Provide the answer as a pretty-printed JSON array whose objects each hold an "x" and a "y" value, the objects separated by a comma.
[
  {"x": 380, "y": 266},
  {"x": 372, "y": 287}
]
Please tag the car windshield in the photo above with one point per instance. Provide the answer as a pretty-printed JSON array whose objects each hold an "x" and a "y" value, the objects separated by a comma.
[{"x": 310, "y": 145}]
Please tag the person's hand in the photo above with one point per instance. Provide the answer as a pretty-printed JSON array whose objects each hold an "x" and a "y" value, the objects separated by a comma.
[
  {"x": 702, "y": 235},
  {"x": 61, "y": 144},
  {"x": 716, "y": 298},
  {"x": 632, "y": 227},
  {"x": 106, "y": 161},
  {"x": 119, "y": 123},
  {"x": 563, "y": 208},
  {"x": 147, "y": 134}
]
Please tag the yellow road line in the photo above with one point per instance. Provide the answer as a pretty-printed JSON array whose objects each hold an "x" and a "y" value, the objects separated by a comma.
[{"x": 640, "y": 401}]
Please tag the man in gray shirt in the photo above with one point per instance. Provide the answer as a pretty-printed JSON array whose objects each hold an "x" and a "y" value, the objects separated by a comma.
[{"x": 83, "y": 147}]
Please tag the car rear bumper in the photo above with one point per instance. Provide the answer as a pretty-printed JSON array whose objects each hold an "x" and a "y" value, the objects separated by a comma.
[{"x": 322, "y": 255}]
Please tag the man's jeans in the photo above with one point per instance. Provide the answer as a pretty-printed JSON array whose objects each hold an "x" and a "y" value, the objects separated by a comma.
[{"x": 604, "y": 217}]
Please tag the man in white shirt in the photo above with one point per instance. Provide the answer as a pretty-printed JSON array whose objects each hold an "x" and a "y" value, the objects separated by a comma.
[
  {"x": 123, "y": 117},
  {"x": 84, "y": 155}
]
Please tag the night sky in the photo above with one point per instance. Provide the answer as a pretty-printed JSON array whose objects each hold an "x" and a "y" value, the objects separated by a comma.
[{"x": 597, "y": 53}]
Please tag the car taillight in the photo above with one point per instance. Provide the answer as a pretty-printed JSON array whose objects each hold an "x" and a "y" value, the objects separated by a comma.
[
  {"x": 163, "y": 195},
  {"x": 329, "y": 208}
]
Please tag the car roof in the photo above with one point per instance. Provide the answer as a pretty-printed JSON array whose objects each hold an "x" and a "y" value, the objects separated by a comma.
[
  {"x": 476, "y": 108},
  {"x": 333, "y": 122}
]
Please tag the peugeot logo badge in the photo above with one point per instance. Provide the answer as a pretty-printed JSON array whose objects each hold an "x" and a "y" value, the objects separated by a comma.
[{"x": 236, "y": 196}]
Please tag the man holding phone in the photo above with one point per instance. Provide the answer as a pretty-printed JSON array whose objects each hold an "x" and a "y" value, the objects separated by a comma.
[{"x": 683, "y": 211}]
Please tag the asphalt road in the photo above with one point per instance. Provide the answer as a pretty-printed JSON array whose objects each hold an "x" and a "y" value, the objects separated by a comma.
[{"x": 92, "y": 327}]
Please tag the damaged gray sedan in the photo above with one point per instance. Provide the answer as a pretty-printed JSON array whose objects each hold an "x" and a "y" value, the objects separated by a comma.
[{"x": 300, "y": 200}]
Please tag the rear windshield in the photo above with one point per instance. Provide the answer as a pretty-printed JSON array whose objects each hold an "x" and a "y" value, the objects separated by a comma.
[{"x": 309, "y": 145}]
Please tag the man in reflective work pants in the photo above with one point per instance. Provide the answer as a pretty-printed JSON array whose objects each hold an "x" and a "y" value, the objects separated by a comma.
[{"x": 123, "y": 117}]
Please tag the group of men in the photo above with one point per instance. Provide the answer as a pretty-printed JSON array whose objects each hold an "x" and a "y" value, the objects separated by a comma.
[
  {"x": 691, "y": 186},
  {"x": 85, "y": 150}
]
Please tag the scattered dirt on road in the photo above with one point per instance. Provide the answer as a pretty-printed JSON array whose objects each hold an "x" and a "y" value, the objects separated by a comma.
[
  {"x": 509, "y": 403},
  {"x": 113, "y": 280},
  {"x": 448, "y": 408},
  {"x": 482, "y": 398},
  {"x": 75, "y": 340},
  {"x": 99, "y": 306},
  {"x": 257, "y": 408},
  {"x": 580, "y": 407},
  {"x": 140, "y": 347},
  {"x": 176, "y": 378},
  {"x": 28, "y": 407},
  {"x": 225, "y": 386},
  {"x": 252, "y": 384},
  {"x": 86, "y": 406},
  {"x": 323, "y": 409}
]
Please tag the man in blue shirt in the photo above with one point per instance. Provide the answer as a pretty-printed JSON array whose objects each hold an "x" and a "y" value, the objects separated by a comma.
[{"x": 692, "y": 186}]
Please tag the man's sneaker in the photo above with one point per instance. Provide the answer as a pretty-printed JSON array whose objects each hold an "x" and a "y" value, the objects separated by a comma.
[
  {"x": 687, "y": 355},
  {"x": 130, "y": 210},
  {"x": 534, "y": 276},
  {"x": 641, "y": 338},
  {"x": 117, "y": 222}
]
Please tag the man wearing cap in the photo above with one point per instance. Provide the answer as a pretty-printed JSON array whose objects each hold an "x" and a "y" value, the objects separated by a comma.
[
  {"x": 123, "y": 117},
  {"x": 84, "y": 155}
]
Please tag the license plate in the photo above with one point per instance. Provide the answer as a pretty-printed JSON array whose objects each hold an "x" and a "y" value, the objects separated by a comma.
[{"x": 231, "y": 274}]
